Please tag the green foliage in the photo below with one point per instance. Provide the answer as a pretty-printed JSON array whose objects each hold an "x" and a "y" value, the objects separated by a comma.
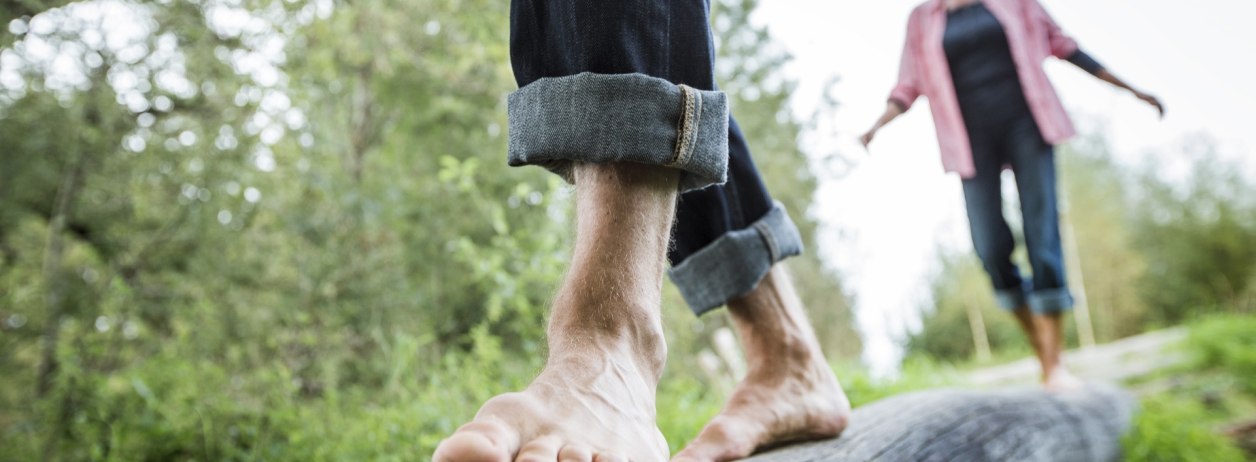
[
  {"x": 1183, "y": 421},
  {"x": 1097, "y": 208},
  {"x": 946, "y": 332},
  {"x": 916, "y": 374},
  {"x": 1177, "y": 422},
  {"x": 1227, "y": 343},
  {"x": 685, "y": 404},
  {"x": 1169, "y": 429},
  {"x": 177, "y": 405},
  {"x": 266, "y": 230},
  {"x": 1198, "y": 238}
]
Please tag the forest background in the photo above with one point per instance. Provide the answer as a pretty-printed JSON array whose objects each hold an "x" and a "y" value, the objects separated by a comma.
[{"x": 285, "y": 230}]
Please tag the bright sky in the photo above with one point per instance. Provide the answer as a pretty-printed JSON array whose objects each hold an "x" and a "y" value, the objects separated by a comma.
[{"x": 886, "y": 218}]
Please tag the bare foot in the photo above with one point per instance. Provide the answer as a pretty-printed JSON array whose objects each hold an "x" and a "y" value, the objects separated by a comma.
[
  {"x": 591, "y": 405},
  {"x": 769, "y": 409},
  {"x": 1060, "y": 380},
  {"x": 789, "y": 394},
  {"x": 594, "y": 402}
]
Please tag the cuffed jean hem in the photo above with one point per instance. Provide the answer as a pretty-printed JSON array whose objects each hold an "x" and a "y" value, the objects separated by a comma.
[
  {"x": 1050, "y": 301},
  {"x": 600, "y": 118},
  {"x": 734, "y": 264},
  {"x": 1010, "y": 299}
]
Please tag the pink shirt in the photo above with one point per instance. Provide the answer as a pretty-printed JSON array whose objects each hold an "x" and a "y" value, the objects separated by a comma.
[{"x": 1032, "y": 36}]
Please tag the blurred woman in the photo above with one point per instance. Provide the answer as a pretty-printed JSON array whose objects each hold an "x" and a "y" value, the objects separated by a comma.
[{"x": 980, "y": 64}]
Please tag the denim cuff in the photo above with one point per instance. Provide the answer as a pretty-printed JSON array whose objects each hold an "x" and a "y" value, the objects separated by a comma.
[
  {"x": 1049, "y": 301},
  {"x": 735, "y": 263},
  {"x": 601, "y": 118},
  {"x": 1010, "y": 298}
]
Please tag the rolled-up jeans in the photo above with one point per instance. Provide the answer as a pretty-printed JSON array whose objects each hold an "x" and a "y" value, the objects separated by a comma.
[
  {"x": 633, "y": 81},
  {"x": 1015, "y": 141}
]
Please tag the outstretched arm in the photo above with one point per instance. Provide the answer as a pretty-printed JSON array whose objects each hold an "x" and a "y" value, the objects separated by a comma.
[
  {"x": 1064, "y": 47},
  {"x": 1106, "y": 76},
  {"x": 892, "y": 110},
  {"x": 905, "y": 91},
  {"x": 1087, "y": 63}
]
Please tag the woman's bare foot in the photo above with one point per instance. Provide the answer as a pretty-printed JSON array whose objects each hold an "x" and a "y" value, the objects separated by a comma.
[
  {"x": 1060, "y": 380},
  {"x": 789, "y": 393},
  {"x": 595, "y": 404},
  {"x": 1046, "y": 334}
]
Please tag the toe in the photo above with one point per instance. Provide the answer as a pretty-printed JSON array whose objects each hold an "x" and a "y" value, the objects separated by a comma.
[
  {"x": 480, "y": 441},
  {"x": 469, "y": 447},
  {"x": 574, "y": 453},
  {"x": 609, "y": 458},
  {"x": 544, "y": 449}
]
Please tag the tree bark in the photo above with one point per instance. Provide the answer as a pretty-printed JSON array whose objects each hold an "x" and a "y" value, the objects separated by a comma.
[{"x": 1021, "y": 424}]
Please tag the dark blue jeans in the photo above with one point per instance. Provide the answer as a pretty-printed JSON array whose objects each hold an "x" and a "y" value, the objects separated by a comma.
[
  {"x": 609, "y": 71},
  {"x": 1017, "y": 142}
]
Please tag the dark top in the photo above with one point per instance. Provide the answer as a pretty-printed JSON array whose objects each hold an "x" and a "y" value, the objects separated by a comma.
[{"x": 986, "y": 82}]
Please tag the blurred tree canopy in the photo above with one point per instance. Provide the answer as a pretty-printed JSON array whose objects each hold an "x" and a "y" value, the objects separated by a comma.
[{"x": 285, "y": 230}]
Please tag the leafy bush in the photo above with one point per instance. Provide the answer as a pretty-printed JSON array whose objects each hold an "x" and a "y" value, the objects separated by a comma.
[
  {"x": 1176, "y": 424},
  {"x": 1227, "y": 343},
  {"x": 1171, "y": 429}
]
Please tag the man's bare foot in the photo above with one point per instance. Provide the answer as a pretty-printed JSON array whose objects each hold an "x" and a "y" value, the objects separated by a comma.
[
  {"x": 591, "y": 405},
  {"x": 594, "y": 402},
  {"x": 789, "y": 393},
  {"x": 1060, "y": 380},
  {"x": 768, "y": 409}
]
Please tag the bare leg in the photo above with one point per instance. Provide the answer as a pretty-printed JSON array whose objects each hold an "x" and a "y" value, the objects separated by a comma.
[
  {"x": 789, "y": 392},
  {"x": 1026, "y": 320},
  {"x": 1050, "y": 332},
  {"x": 594, "y": 401},
  {"x": 1046, "y": 335}
]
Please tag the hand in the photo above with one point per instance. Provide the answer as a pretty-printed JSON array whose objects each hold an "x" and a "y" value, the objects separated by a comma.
[
  {"x": 1150, "y": 100},
  {"x": 867, "y": 137}
]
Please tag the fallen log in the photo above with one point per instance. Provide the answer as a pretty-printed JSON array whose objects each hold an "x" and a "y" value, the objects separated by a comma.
[{"x": 1017, "y": 424}]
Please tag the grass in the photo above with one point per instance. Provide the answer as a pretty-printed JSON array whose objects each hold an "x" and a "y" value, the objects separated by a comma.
[
  {"x": 1185, "y": 408},
  {"x": 170, "y": 408}
]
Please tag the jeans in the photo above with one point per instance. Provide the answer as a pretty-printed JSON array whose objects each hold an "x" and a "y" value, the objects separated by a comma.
[
  {"x": 1016, "y": 141},
  {"x": 633, "y": 81}
]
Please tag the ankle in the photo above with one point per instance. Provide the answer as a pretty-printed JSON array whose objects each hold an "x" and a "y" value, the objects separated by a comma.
[
  {"x": 773, "y": 325},
  {"x": 779, "y": 348},
  {"x": 624, "y": 329}
]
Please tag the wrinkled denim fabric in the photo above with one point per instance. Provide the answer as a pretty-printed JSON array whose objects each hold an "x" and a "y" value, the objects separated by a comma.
[
  {"x": 1016, "y": 142},
  {"x": 634, "y": 81},
  {"x": 601, "y": 118},
  {"x": 734, "y": 264}
]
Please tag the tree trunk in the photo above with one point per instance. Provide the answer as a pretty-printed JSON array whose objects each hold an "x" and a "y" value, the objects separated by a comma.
[
  {"x": 1073, "y": 264},
  {"x": 977, "y": 324},
  {"x": 54, "y": 295},
  {"x": 1020, "y": 424}
]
